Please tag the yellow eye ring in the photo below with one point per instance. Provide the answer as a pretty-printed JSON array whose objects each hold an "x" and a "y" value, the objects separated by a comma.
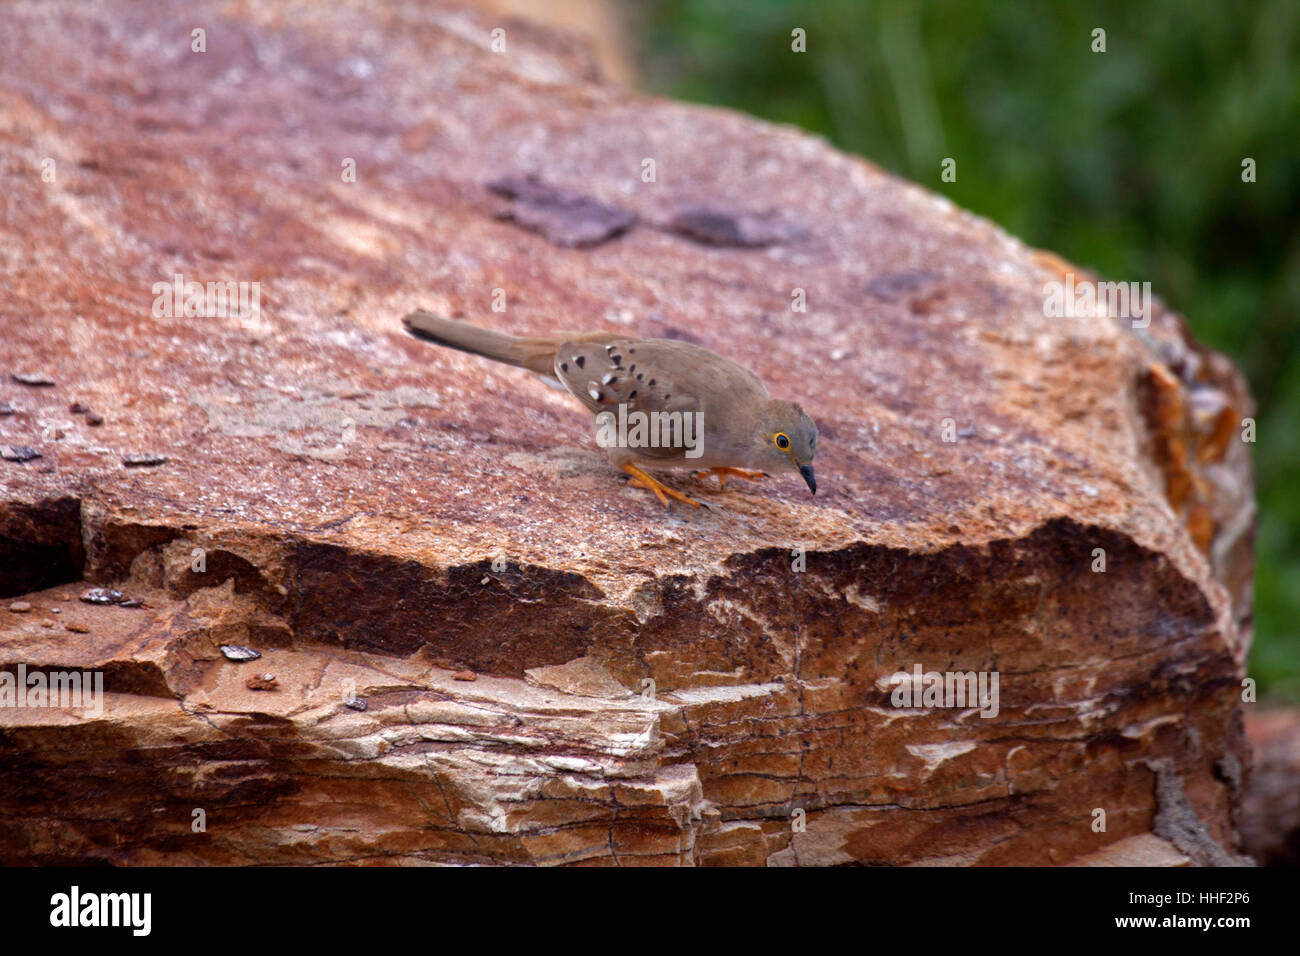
[{"x": 782, "y": 440}]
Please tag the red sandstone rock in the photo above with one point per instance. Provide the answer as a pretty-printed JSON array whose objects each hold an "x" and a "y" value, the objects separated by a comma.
[
  {"x": 1270, "y": 810},
  {"x": 654, "y": 686}
]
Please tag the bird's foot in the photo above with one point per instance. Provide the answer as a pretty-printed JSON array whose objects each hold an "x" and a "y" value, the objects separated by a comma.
[
  {"x": 641, "y": 479},
  {"x": 722, "y": 474}
]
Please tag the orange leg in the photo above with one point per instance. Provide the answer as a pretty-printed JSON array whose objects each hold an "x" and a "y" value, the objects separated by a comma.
[
  {"x": 738, "y": 472},
  {"x": 643, "y": 480}
]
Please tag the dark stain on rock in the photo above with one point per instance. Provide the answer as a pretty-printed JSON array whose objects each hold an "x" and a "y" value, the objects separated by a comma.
[
  {"x": 561, "y": 216},
  {"x": 719, "y": 227},
  {"x": 381, "y": 603},
  {"x": 40, "y": 545}
]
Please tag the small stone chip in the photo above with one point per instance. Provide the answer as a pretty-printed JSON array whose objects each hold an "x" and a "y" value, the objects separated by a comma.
[
  {"x": 144, "y": 461},
  {"x": 18, "y": 453},
  {"x": 103, "y": 596},
  {"x": 896, "y": 286},
  {"x": 47, "y": 623},
  {"x": 261, "y": 682},
  {"x": 78, "y": 409},
  {"x": 34, "y": 379},
  {"x": 93, "y": 419},
  {"x": 464, "y": 675},
  {"x": 20, "y": 607},
  {"x": 76, "y": 628},
  {"x": 236, "y": 652},
  {"x": 131, "y": 602},
  {"x": 6, "y": 409},
  {"x": 355, "y": 703}
]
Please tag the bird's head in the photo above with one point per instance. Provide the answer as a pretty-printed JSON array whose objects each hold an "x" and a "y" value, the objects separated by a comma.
[{"x": 788, "y": 440}]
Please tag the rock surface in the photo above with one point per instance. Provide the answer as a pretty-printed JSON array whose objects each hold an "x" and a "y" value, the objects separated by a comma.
[
  {"x": 1270, "y": 809},
  {"x": 376, "y": 516}
]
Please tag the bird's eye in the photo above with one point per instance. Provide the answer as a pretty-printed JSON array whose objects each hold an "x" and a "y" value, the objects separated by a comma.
[{"x": 782, "y": 440}]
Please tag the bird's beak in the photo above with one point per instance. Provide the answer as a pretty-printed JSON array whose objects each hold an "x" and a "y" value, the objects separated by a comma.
[{"x": 809, "y": 477}]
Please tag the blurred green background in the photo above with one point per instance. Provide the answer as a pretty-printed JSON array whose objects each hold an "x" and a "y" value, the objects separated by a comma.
[{"x": 1128, "y": 162}]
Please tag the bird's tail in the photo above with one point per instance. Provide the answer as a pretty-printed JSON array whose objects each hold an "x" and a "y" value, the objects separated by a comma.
[{"x": 534, "y": 354}]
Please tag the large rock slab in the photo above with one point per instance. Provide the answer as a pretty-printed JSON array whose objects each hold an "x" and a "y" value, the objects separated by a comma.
[{"x": 384, "y": 521}]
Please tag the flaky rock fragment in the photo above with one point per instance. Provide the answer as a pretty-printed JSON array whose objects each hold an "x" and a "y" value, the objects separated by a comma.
[
  {"x": 33, "y": 379},
  {"x": 1059, "y": 502},
  {"x": 18, "y": 453}
]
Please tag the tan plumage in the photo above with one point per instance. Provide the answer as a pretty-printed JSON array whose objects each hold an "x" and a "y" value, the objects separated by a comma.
[{"x": 744, "y": 430}]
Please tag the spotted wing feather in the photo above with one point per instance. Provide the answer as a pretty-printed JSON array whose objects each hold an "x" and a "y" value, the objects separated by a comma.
[{"x": 604, "y": 374}]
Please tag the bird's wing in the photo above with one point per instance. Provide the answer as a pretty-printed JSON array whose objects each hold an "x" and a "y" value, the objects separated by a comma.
[{"x": 611, "y": 371}]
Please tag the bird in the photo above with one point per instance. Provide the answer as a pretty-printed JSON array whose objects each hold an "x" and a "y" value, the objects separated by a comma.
[{"x": 716, "y": 415}]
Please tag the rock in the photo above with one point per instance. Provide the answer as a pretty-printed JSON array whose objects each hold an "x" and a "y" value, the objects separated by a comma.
[
  {"x": 564, "y": 217},
  {"x": 896, "y": 286},
  {"x": 33, "y": 379},
  {"x": 143, "y": 461},
  {"x": 1144, "y": 850},
  {"x": 720, "y": 227},
  {"x": 1049, "y": 501},
  {"x": 234, "y": 652},
  {"x": 584, "y": 677},
  {"x": 19, "y": 453},
  {"x": 1270, "y": 810},
  {"x": 261, "y": 682},
  {"x": 20, "y": 607}
]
